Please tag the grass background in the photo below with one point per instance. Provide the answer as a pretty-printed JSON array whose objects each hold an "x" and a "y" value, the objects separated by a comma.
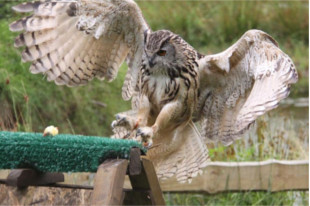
[
  {"x": 210, "y": 26},
  {"x": 29, "y": 103}
]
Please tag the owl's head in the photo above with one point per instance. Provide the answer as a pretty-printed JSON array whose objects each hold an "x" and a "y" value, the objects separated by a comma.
[{"x": 164, "y": 50}]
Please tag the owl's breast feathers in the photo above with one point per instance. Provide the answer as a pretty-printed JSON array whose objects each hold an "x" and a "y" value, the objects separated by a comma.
[{"x": 177, "y": 84}]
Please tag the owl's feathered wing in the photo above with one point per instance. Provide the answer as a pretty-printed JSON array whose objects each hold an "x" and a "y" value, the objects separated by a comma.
[
  {"x": 71, "y": 42},
  {"x": 181, "y": 153},
  {"x": 240, "y": 84}
]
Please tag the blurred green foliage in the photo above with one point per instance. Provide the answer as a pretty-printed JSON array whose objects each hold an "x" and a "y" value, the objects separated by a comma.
[
  {"x": 202, "y": 23},
  {"x": 209, "y": 26}
]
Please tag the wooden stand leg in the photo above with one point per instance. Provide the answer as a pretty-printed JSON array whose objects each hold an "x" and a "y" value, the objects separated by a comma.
[
  {"x": 109, "y": 182},
  {"x": 30, "y": 177},
  {"x": 146, "y": 188},
  {"x": 156, "y": 193}
]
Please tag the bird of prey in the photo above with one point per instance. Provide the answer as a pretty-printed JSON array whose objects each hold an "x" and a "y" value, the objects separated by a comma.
[{"x": 171, "y": 85}]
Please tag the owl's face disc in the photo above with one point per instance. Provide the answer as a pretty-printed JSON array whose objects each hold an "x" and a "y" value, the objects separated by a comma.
[{"x": 160, "y": 52}]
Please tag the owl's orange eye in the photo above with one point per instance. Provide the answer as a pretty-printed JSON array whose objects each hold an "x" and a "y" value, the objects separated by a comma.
[{"x": 161, "y": 52}]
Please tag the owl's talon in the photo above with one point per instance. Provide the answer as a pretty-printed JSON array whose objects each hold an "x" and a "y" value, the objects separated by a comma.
[
  {"x": 123, "y": 121},
  {"x": 147, "y": 143},
  {"x": 114, "y": 124},
  {"x": 144, "y": 135}
]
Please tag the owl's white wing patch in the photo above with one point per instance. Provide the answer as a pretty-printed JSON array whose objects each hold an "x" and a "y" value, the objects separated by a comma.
[
  {"x": 242, "y": 83},
  {"x": 74, "y": 41}
]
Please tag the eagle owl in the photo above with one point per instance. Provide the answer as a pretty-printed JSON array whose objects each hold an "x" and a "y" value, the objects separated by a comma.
[{"x": 172, "y": 86}]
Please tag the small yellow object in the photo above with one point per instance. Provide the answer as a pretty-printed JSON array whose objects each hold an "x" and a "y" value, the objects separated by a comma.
[{"x": 50, "y": 130}]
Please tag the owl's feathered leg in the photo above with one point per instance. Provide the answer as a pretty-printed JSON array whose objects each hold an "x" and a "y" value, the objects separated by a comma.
[{"x": 167, "y": 120}]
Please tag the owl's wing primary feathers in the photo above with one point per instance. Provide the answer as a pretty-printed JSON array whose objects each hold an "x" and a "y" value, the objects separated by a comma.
[
  {"x": 73, "y": 41},
  {"x": 240, "y": 84}
]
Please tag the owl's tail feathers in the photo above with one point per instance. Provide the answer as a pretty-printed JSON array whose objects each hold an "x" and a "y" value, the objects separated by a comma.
[{"x": 186, "y": 157}]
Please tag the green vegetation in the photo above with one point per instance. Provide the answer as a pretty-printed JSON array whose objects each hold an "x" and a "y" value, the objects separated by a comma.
[
  {"x": 234, "y": 198},
  {"x": 29, "y": 103}
]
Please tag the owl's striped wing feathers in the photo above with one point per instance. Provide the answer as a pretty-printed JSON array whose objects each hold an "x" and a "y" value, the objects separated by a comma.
[
  {"x": 74, "y": 41},
  {"x": 242, "y": 83},
  {"x": 180, "y": 153}
]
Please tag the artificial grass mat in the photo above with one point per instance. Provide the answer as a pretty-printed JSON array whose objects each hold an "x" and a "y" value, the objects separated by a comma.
[{"x": 61, "y": 153}]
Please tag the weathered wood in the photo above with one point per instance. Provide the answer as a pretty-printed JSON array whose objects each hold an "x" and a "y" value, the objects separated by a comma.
[
  {"x": 30, "y": 177},
  {"x": 109, "y": 182},
  {"x": 71, "y": 186},
  {"x": 43, "y": 196},
  {"x": 147, "y": 180},
  {"x": 134, "y": 167},
  {"x": 156, "y": 192},
  {"x": 137, "y": 197},
  {"x": 271, "y": 175}
]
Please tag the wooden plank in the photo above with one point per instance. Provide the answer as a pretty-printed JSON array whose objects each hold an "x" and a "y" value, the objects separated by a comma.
[
  {"x": 139, "y": 183},
  {"x": 109, "y": 182},
  {"x": 27, "y": 177},
  {"x": 137, "y": 197},
  {"x": 42, "y": 195},
  {"x": 283, "y": 175},
  {"x": 271, "y": 175},
  {"x": 147, "y": 180},
  {"x": 135, "y": 166},
  {"x": 156, "y": 192}
]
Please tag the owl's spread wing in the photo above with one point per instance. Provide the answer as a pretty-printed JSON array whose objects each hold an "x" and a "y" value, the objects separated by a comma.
[
  {"x": 181, "y": 153},
  {"x": 71, "y": 42},
  {"x": 240, "y": 84}
]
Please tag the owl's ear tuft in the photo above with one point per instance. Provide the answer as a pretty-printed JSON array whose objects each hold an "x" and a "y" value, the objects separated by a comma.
[{"x": 146, "y": 35}]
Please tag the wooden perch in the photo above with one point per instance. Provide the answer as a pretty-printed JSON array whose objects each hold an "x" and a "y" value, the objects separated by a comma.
[
  {"x": 109, "y": 182},
  {"x": 30, "y": 177},
  {"x": 271, "y": 175},
  {"x": 145, "y": 187}
]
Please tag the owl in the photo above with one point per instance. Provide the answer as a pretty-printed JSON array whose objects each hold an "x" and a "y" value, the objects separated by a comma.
[{"x": 172, "y": 87}]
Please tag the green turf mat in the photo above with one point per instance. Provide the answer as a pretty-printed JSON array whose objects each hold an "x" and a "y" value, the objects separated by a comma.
[{"x": 61, "y": 153}]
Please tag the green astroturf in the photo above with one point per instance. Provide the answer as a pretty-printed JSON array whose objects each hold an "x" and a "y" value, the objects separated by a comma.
[{"x": 61, "y": 153}]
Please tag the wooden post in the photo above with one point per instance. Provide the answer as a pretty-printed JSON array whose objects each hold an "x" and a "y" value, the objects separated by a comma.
[
  {"x": 146, "y": 188},
  {"x": 30, "y": 177},
  {"x": 109, "y": 182},
  {"x": 135, "y": 166}
]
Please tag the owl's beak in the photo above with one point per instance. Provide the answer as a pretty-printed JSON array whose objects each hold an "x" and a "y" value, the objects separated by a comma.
[
  {"x": 151, "y": 61},
  {"x": 151, "y": 64}
]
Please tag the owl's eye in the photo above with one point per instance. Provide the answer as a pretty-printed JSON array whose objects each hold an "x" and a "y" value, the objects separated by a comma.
[{"x": 161, "y": 52}]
